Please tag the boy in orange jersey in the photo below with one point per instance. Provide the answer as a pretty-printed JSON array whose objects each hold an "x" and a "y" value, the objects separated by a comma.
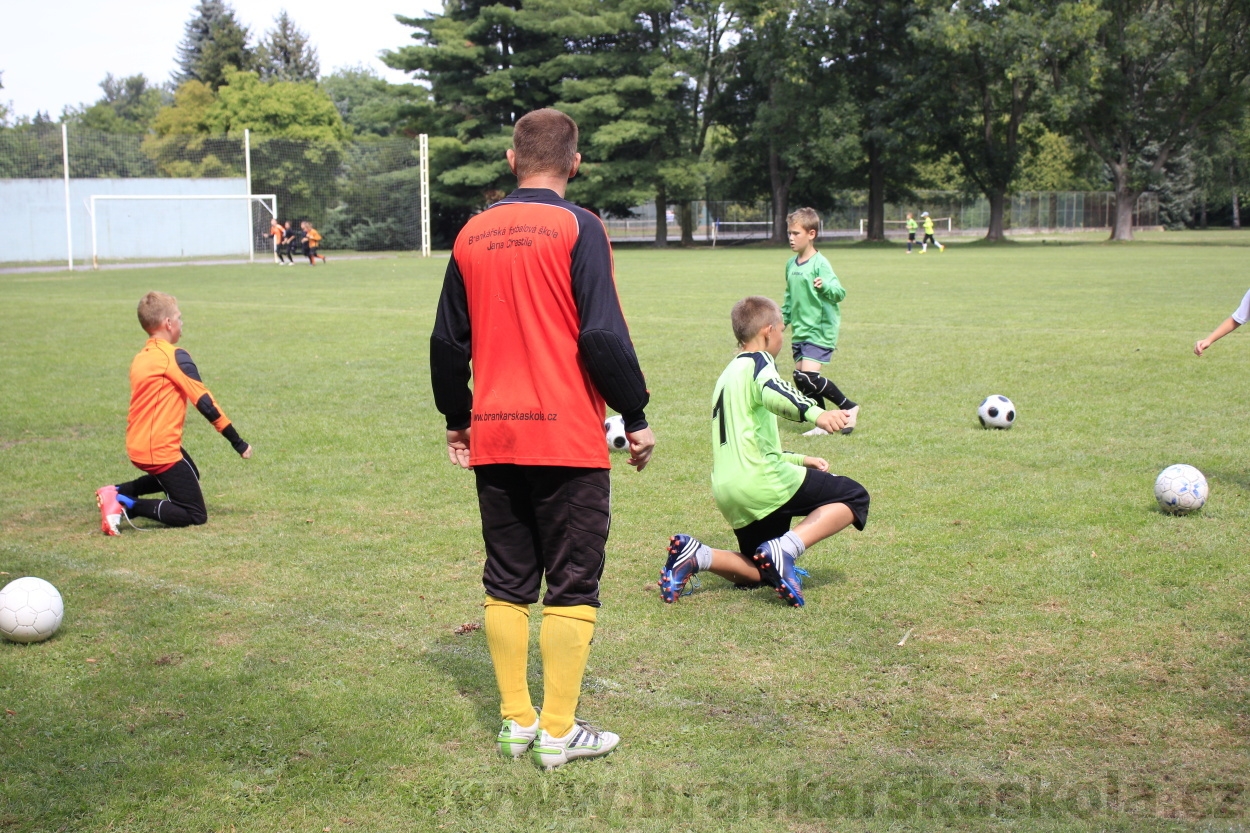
[
  {"x": 312, "y": 239},
  {"x": 278, "y": 232},
  {"x": 162, "y": 380}
]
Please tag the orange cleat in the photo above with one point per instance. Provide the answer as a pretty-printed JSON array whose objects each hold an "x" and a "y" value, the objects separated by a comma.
[{"x": 110, "y": 509}]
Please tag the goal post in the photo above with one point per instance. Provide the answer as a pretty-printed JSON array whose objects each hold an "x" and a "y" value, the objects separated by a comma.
[
  {"x": 268, "y": 201},
  {"x": 937, "y": 221}
]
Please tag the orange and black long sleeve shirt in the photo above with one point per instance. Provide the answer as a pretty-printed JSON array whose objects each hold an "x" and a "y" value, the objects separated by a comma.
[
  {"x": 163, "y": 378},
  {"x": 529, "y": 312}
]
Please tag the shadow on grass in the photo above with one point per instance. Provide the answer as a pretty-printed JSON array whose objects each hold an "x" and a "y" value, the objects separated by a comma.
[{"x": 465, "y": 662}]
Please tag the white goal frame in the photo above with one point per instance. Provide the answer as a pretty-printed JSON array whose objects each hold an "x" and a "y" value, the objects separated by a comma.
[
  {"x": 269, "y": 201},
  {"x": 863, "y": 224}
]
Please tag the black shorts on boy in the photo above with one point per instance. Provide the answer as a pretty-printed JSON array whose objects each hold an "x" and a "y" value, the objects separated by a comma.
[{"x": 820, "y": 488}]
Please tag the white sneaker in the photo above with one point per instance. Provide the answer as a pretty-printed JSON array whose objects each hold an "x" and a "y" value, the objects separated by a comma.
[
  {"x": 514, "y": 739},
  {"x": 852, "y": 416},
  {"x": 582, "y": 741},
  {"x": 815, "y": 432}
]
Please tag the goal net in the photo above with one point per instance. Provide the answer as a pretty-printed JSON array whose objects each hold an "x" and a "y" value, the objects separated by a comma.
[{"x": 128, "y": 226}]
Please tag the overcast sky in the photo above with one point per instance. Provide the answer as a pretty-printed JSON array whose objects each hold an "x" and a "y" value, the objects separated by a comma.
[{"x": 54, "y": 53}]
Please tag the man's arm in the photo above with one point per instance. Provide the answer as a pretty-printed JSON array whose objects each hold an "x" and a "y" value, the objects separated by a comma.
[
  {"x": 451, "y": 351},
  {"x": 603, "y": 340}
]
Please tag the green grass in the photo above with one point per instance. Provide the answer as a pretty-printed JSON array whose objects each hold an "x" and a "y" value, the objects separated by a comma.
[{"x": 1077, "y": 659}]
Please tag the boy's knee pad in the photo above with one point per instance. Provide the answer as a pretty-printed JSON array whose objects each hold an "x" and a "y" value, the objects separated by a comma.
[{"x": 804, "y": 382}]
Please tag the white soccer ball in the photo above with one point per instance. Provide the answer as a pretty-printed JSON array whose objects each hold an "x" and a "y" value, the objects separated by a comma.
[
  {"x": 996, "y": 411},
  {"x": 30, "y": 610},
  {"x": 614, "y": 430},
  {"x": 1181, "y": 489}
]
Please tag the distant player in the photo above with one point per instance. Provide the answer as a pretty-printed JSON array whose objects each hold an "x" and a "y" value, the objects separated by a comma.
[
  {"x": 294, "y": 239},
  {"x": 911, "y": 231},
  {"x": 758, "y": 487},
  {"x": 1239, "y": 317},
  {"x": 278, "y": 233},
  {"x": 163, "y": 379},
  {"x": 928, "y": 234},
  {"x": 811, "y": 309},
  {"x": 312, "y": 239}
]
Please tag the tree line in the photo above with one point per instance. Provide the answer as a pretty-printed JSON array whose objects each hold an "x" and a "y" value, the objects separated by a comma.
[{"x": 789, "y": 101}]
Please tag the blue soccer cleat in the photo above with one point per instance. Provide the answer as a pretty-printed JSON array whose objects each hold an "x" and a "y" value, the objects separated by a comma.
[
  {"x": 682, "y": 564},
  {"x": 776, "y": 567}
]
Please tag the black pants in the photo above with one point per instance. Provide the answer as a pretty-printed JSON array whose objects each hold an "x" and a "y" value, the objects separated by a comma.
[
  {"x": 284, "y": 249},
  {"x": 544, "y": 520},
  {"x": 184, "y": 501}
]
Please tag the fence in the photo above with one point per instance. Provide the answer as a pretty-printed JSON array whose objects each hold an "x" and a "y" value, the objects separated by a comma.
[
  {"x": 359, "y": 195},
  {"x": 1026, "y": 212}
]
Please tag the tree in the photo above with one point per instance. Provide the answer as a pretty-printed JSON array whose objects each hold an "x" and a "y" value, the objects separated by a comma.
[
  {"x": 128, "y": 105},
  {"x": 984, "y": 64},
  {"x": 795, "y": 133},
  {"x": 214, "y": 42},
  {"x": 285, "y": 54},
  {"x": 1155, "y": 75},
  {"x": 372, "y": 106}
]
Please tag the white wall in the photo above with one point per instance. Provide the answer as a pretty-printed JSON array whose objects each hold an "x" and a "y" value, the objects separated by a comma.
[{"x": 32, "y": 219}]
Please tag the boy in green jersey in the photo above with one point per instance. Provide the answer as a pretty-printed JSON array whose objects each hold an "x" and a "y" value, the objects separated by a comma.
[
  {"x": 911, "y": 231},
  {"x": 811, "y": 309},
  {"x": 928, "y": 234},
  {"x": 758, "y": 487}
]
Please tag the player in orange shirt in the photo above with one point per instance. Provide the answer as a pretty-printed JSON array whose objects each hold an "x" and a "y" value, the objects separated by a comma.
[
  {"x": 278, "y": 233},
  {"x": 163, "y": 379},
  {"x": 312, "y": 239}
]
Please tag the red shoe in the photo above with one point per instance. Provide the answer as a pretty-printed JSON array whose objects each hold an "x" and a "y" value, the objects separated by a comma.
[{"x": 110, "y": 509}]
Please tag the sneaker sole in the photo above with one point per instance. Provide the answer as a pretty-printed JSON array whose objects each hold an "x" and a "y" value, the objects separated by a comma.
[
  {"x": 668, "y": 592},
  {"x": 768, "y": 571}
]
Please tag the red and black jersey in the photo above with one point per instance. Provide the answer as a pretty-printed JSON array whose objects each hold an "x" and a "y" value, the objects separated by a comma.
[{"x": 529, "y": 310}]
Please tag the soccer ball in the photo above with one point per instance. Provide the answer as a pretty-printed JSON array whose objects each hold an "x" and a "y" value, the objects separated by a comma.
[
  {"x": 30, "y": 610},
  {"x": 1181, "y": 489},
  {"x": 996, "y": 411},
  {"x": 614, "y": 430}
]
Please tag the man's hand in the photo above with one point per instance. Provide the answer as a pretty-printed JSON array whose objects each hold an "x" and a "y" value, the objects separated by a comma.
[
  {"x": 832, "y": 421},
  {"x": 1200, "y": 346},
  {"x": 640, "y": 445},
  {"x": 458, "y": 447},
  {"x": 818, "y": 463},
  {"x": 247, "y": 453}
]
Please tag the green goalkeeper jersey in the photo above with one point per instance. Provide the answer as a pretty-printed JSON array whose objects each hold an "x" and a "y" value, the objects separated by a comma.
[
  {"x": 751, "y": 475},
  {"x": 911, "y": 226},
  {"x": 813, "y": 313}
]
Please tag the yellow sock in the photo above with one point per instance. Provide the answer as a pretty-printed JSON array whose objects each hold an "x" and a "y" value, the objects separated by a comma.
[
  {"x": 508, "y": 637},
  {"x": 565, "y": 642}
]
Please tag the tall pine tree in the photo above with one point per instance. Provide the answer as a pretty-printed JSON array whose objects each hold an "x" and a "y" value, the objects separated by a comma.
[
  {"x": 285, "y": 53},
  {"x": 214, "y": 40}
]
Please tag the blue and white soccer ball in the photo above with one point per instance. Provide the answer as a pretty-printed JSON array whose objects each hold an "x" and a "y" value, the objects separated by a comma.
[
  {"x": 30, "y": 610},
  {"x": 996, "y": 411},
  {"x": 1181, "y": 489},
  {"x": 614, "y": 429}
]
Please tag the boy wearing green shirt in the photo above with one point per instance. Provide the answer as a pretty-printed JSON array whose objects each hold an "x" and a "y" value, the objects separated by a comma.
[
  {"x": 812, "y": 311},
  {"x": 911, "y": 231},
  {"x": 758, "y": 487},
  {"x": 928, "y": 234}
]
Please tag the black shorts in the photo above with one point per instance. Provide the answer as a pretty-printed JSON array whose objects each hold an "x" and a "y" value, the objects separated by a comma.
[
  {"x": 911, "y": 235},
  {"x": 544, "y": 520},
  {"x": 820, "y": 488}
]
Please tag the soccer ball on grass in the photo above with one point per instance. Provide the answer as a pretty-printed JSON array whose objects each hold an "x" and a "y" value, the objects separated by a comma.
[
  {"x": 996, "y": 411},
  {"x": 614, "y": 430},
  {"x": 30, "y": 610},
  {"x": 1181, "y": 489}
]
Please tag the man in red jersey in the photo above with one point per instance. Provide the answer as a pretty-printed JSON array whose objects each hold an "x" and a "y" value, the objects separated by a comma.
[{"x": 529, "y": 311}]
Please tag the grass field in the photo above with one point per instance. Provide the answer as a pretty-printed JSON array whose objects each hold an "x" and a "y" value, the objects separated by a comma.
[{"x": 1076, "y": 660}]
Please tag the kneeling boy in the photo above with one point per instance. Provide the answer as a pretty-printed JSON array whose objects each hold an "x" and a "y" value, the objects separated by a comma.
[
  {"x": 758, "y": 487},
  {"x": 162, "y": 380}
]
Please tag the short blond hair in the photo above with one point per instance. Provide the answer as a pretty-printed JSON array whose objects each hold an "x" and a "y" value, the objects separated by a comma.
[
  {"x": 805, "y": 218},
  {"x": 154, "y": 308},
  {"x": 752, "y": 314}
]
